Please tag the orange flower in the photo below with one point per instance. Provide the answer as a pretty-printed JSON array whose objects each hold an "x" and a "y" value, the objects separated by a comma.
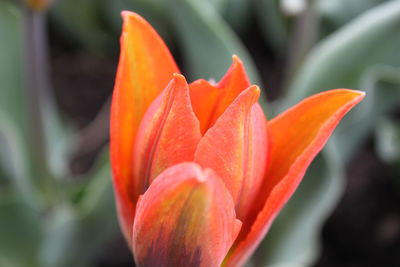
[
  {"x": 199, "y": 173},
  {"x": 38, "y": 5}
]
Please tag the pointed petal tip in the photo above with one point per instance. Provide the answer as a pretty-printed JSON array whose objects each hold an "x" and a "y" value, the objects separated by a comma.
[
  {"x": 360, "y": 94},
  {"x": 126, "y": 14},
  {"x": 255, "y": 89},
  {"x": 253, "y": 92},
  {"x": 354, "y": 91},
  {"x": 236, "y": 59},
  {"x": 355, "y": 95},
  {"x": 179, "y": 77},
  {"x": 180, "y": 81}
]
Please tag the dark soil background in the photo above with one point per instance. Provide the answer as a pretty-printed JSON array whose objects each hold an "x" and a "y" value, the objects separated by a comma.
[{"x": 364, "y": 230}]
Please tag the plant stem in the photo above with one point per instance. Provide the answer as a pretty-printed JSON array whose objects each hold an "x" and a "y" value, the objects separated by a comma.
[
  {"x": 37, "y": 86},
  {"x": 304, "y": 36}
]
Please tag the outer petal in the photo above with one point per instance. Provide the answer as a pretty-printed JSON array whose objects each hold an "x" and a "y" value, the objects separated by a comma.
[
  {"x": 236, "y": 148},
  {"x": 169, "y": 134},
  {"x": 297, "y": 135},
  {"x": 185, "y": 218},
  {"x": 145, "y": 68},
  {"x": 209, "y": 101}
]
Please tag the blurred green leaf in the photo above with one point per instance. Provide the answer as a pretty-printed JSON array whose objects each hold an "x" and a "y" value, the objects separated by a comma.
[
  {"x": 382, "y": 85},
  {"x": 294, "y": 236},
  {"x": 76, "y": 232},
  {"x": 343, "y": 11},
  {"x": 13, "y": 124},
  {"x": 207, "y": 41},
  {"x": 20, "y": 232},
  {"x": 11, "y": 94},
  {"x": 58, "y": 137},
  {"x": 272, "y": 22},
  {"x": 339, "y": 60},
  {"x": 79, "y": 22},
  {"x": 13, "y": 161},
  {"x": 151, "y": 10},
  {"x": 387, "y": 135},
  {"x": 237, "y": 13},
  {"x": 348, "y": 58},
  {"x": 219, "y": 5},
  {"x": 31, "y": 178}
]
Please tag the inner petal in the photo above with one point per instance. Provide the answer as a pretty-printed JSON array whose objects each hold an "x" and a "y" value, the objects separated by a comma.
[{"x": 210, "y": 101}]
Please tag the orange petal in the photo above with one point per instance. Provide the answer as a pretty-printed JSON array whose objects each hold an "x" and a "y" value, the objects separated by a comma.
[
  {"x": 205, "y": 98},
  {"x": 297, "y": 135},
  {"x": 209, "y": 101},
  {"x": 236, "y": 149},
  {"x": 145, "y": 68},
  {"x": 185, "y": 218},
  {"x": 169, "y": 134},
  {"x": 232, "y": 84}
]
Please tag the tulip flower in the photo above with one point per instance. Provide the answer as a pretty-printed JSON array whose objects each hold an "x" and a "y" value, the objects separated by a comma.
[
  {"x": 199, "y": 173},
  {"x": 38, "y": 5}
]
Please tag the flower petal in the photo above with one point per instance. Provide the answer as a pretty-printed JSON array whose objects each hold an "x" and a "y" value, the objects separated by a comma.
[
  {"x": 236, "y": 149},
  {"x": 169, "y": 134},
  {"x": 145, "y": 68},
  {"x": 209, "y": 101},
  {"x": 297, "y": 135},
  {"x": 232, "y": 84},
  {"x": 204, "y": 97},
  {"x": 185, "y": 218}
]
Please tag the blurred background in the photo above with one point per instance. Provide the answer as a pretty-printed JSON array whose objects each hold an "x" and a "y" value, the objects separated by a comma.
[{"x": 57, "y": 67}]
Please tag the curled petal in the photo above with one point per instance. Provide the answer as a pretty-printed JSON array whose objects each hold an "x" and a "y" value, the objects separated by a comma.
[
  {"x": 136, "y": 87},
  {"x": 169, "y": 134},
  {"x": 297, "y": 135},
  {"x": 209, "y": 101},
  {"x": 185, "y": 218},
  {"x": 236, "y": 149}
]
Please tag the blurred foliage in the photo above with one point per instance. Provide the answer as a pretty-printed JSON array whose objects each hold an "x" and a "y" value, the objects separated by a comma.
[
  {"x": 388, "y": 140},
  {"x": 197, "y": 23},
  {"x": 37, "y": 229},
  {"x": 329, "y": 44},
  {"x": 354, "y": 56}
]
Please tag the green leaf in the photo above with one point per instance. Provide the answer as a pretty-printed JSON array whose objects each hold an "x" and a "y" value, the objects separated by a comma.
[
  {"x": 75, "y": 233},
  {"x": 207, "y": 41},
  {"x": 58, "y": 139},
  {"x": 352, "y": 57},
  {"x": 11, "y": 94},
  {"x": 342, "y": 11},
  {"x": 14, "y": 145},
  {"x": 387, "y": 135},
  {"x": 14, "y": 162},
  {"x": 79, "y": 22},
  {"x": 30, "y": 177},
  {"x": 237, "y": 13},
  {"x": 272, "y": 22},
  {"x": 151, "y": 10},
  {"x": 20, "y": 232},
  {"x": 339, "y": 60},
  {"x": 382, "y": 85}
]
